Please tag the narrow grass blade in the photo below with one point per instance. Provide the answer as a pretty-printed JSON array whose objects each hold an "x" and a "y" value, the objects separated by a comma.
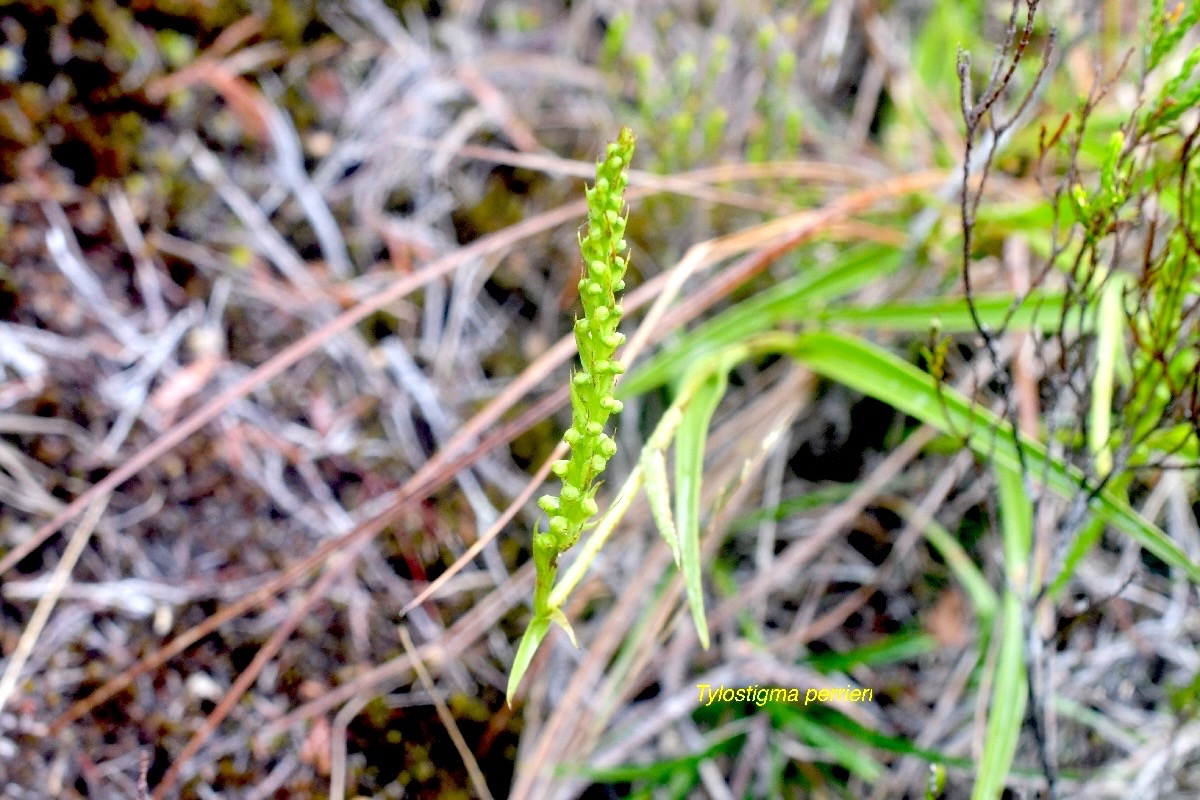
[
  {"x": 1007, "y": 711},
  {"x": 1109, "y": 348},
  {"x": 835, "y": 720},
  {"x": 793, "y": 299},
  {"x": 1016, "y": 525},
  {"x": 662, "y": 769},
  {"x": 817, "y": 497},
  {"x": 1042, "y": 310},
  {"x": 850, "y": 755},
  {"x": 876, "y": 372},
  {"x": 982, "y": 595},
  {"x": 1085, "y": 540},
  {"x": 900, "y": 646},
  {"x": 1007, "y": 708},
  {"x": 689, "y": 468}
]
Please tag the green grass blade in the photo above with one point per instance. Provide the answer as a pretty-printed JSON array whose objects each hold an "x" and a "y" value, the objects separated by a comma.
[
  {"x": 1007, "y": 711},
  {"x": 900, "y": 646},
  {"x": 818, "y": 497},
  {"x": 657, "y": 771},
  {"x": 982, "y": 595},
  {"x": 689, "y": 468},
  {"x": 1007, "y": 708},
  {"x": 1016, "y": 526},
  {"x": 848, "y": 754},
  {"x": 1042, "y": 310},
  {"x": 876, "y": 372},
  {"x": 1109, "y": 348},
  {"x": 835, "y": 720},
  {"x": 792, "y": 300}
]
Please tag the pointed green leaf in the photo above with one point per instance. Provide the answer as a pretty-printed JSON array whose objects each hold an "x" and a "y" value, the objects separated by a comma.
[
  {"x": 534, "y": 634},
  {"x": 557, "y": 616}
]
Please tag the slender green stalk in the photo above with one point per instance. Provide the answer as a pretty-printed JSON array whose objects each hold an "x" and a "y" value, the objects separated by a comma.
[
  {"x": 591, "y": 386},
  {"x": 592, "y": 399}
]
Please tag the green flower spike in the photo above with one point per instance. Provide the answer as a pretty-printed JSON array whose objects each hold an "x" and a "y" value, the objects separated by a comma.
[{"x": 591, "y": 387}]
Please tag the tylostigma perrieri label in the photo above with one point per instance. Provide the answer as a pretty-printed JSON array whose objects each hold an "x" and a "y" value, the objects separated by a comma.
[{"x": 761, "y": 695}]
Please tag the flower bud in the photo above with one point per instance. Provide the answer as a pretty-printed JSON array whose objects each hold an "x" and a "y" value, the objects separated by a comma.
[{"x": 614, "y": 340}]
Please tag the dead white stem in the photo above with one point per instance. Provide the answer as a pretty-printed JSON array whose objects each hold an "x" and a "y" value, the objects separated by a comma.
[
  {"x": 289, "y": 162},
  {"x": 58, "y": 581},
  {"x": 64, "y": 250},
  {"x": 149, "y": 285},
  {"x": 460, "y": 744}
]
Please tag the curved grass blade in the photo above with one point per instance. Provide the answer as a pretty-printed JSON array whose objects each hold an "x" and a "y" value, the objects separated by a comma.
[
  {"x": 876, "y": 372},
  {"x": 982, "y": 595},
  {"x": 849, "y": 754},
  {"x": 689, "y": 467},
  {"x": 793, "y": 299}
]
